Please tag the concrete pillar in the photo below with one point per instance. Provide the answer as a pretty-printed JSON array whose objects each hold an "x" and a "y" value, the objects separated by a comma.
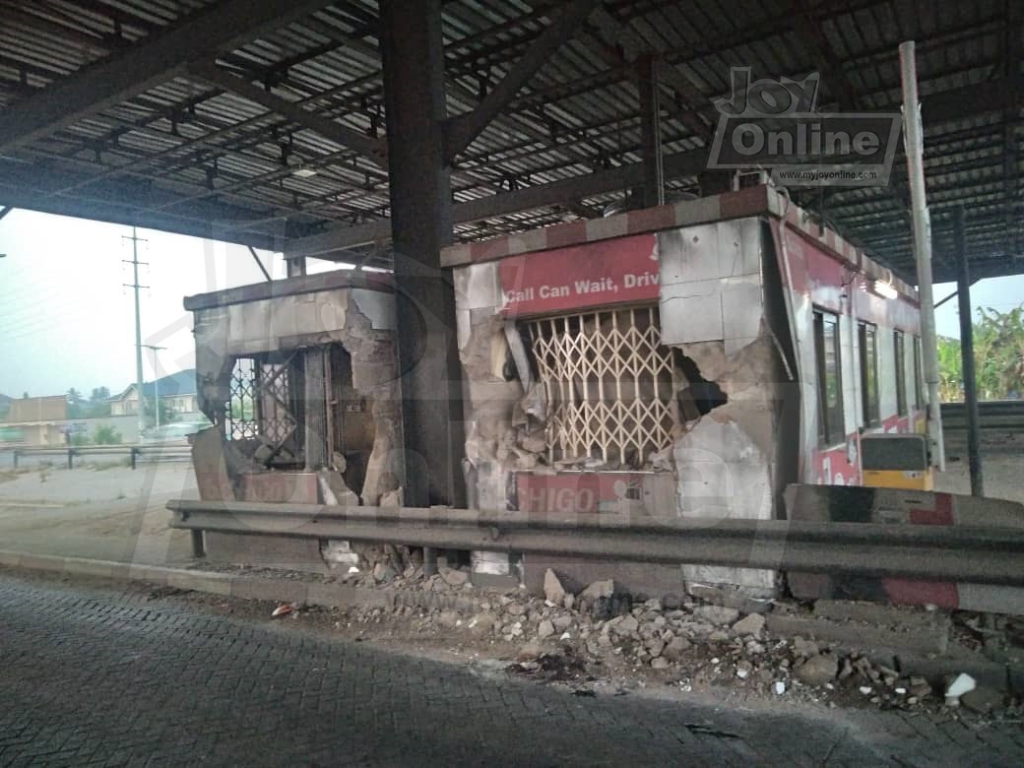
[
  {"x": 967, "y": 358},
  {"x": 421, "y": 223}
]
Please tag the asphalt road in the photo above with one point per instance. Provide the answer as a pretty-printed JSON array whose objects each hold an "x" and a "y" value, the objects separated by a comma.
[{"x": 102, "y": 676}]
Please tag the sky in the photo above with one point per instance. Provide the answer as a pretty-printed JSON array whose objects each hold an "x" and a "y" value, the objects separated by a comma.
[{"x": 66, "y": 319}]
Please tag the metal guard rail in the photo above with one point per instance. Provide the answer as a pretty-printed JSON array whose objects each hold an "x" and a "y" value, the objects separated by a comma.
[
  {"x": 942, "y": 553},
  {"x": 133, "y": 451}
]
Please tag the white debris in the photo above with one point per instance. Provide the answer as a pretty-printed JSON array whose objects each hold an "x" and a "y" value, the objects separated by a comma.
[
  {"x": 780, "y": 688},
  {"x": 963, "y": 683},
  {"x": 866, "y": 690}
]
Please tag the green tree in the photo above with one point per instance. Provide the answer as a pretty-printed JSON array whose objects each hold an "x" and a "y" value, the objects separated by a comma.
[
  {"x": 99, "y": 403},
  {"x": 998, "y": 357},
  {"x": 106, "y": 435},
  {"x": 74, "y": 398}
]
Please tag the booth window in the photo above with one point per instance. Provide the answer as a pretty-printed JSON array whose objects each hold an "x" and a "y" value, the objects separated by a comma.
[
  {"x": 868, "y": 338},
  {"x": 610, "y": 384},
  {"x": 918, "y": 375},
  {"x": 899, "y": 347},
  {"x": 830, "y": 379},
  {"x": 265, "y": 403}
]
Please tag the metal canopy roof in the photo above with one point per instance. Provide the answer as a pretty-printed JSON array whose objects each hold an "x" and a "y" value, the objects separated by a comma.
[{"x": 194, "y": 116}]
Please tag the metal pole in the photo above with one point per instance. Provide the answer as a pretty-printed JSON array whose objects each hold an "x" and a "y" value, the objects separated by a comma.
[
  {"x": 138, "y": 331},
  {"x": 914, "y": 140},
  {"x": 650, "y": 125},
  {"x": 967, "y": 355},
  {"x": 412, "y": 50}
]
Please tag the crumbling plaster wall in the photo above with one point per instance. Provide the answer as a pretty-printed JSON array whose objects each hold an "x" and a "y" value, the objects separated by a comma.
[
  {"x": 491, "y": 400},
  {"x": 361, "y": 320},
  {"x": 713, "y": 311}
]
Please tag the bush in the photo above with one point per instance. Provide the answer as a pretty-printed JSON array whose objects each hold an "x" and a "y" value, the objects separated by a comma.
[
  {"x": 106, "y": 436},
  {"x": 79, "y": 438}
]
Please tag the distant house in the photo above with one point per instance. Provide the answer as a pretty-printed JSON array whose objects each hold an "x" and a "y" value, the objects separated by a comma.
[
  {"x": 35, "y": 421},
  {"x": 177, "y": 392}
]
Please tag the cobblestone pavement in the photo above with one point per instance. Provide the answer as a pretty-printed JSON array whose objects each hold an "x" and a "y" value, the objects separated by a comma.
[{"x": 93, "y": 675}]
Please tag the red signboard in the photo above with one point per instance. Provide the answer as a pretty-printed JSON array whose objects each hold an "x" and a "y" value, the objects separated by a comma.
[
  {"x": 603, "y": 272},
  {"x": 573, "y": 492}
]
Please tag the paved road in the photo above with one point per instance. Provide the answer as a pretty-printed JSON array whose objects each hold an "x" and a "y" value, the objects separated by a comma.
[{"x": 91, "y": 676}]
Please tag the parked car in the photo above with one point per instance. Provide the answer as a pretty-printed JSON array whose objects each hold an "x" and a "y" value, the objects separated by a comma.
[{"x": 176, "y": 433}]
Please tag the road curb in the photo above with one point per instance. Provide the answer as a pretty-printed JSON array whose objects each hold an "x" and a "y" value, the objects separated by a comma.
[{"x": 326, "y": 595}]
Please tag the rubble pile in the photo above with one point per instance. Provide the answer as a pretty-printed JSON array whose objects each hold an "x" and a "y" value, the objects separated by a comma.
[{"x": 677, "y": 639}]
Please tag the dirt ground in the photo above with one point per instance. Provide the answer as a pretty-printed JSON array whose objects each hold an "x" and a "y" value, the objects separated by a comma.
[
  {"x": 1002, "y": 465},
  {"x": 102, "y": 511}
]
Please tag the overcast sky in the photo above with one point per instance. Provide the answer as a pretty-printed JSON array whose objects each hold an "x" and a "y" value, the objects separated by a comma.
[{"x": 67, "y": 321}]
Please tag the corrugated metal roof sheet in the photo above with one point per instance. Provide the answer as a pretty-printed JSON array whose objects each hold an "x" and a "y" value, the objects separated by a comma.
[{"x": 223, "y": 164}]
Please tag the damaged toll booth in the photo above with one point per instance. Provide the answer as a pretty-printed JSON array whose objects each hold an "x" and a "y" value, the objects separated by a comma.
[
  {"x": 298, "y": 378},
  {"x": 651, "y": 363}
]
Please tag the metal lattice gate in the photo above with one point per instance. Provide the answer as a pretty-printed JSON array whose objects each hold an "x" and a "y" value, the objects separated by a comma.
[{"x": 610, "y": 385}]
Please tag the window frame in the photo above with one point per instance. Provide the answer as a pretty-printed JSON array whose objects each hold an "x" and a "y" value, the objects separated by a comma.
[
  {"x": 899, "y": 350},
  {"x": 831, "y": 420},
  {"x": 870, "y": 397},
  {"x": 919, "y": 395}
]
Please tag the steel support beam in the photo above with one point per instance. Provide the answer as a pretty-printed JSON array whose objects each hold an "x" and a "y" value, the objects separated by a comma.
[
  {"x": 462, "y": 130},
  {"x": 256, "y": 258},
  {"x": 650, "y": 128},
  {"x": 125, "y": 201},
  {"x": 557, "y": 192},
  {"x": 222, "y": 27},
  {"x": 967, "y": 358},
  {"x": 367, "y": 146},
  {"x": 412, "y": 51}
]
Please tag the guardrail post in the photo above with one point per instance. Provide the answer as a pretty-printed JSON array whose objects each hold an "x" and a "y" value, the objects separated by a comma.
[
  {"x": 198, "y": 545},
  {"x": 15, "y": 454},
  {"x": 429, "y": 561},
  {"x": 71, "y": 454},
  {"x": 134, "y": 453}
]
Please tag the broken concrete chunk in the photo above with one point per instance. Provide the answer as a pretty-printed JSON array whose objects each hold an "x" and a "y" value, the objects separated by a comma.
[
  {"x": 627, "y": 626},
  {"x": 716, "y": 614},
  {"x": 455, "y": 578},
  {"x": 481, "y": 623},
  {"x": 749, "y": 625},
  {"x": 334, "y": 489},
  {"x": 803, "y": 647},
  {"x": 960, "y": 685},
  {"x": 530, "y": 652},
  {"x": 675, "y": 648},
  {"x": 817, "y": 670},
  {"x": 553, "y": 589},
  {"x": 545, "y": 629},
  {"x": 533, "y": 444},
  {"x": 982, "y": 700},
  {"x": 383, "y": 573},
  {"x": 395, "y": 498},
  {"x": 659, "y": 662},
  {"x": 598, "y": 589}
]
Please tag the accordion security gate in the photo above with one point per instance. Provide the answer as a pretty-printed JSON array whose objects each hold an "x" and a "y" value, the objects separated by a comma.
[{"x": 610, "y": 385}]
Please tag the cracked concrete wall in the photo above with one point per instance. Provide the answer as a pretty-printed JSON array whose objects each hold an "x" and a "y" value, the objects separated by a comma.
[
  {"x": 491, "y": 400},
  {"x": 713, "y": 311},
  {"x": 361, "y": 320}
]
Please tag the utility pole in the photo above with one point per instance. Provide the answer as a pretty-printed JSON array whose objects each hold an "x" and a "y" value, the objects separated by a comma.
[
  {"x": 138, "y": 326},
  {"x": 156, "y": 380}
]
